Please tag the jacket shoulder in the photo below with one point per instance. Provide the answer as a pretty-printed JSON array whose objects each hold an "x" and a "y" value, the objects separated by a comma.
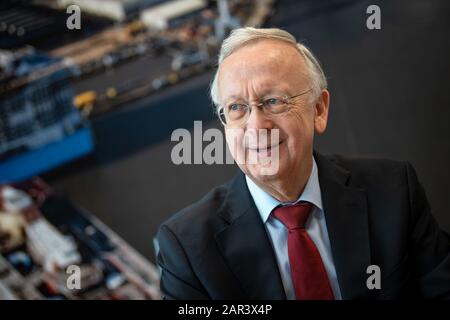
[
  {"x": 368, "y": 170},
  {"x": 199, "y": 217}
]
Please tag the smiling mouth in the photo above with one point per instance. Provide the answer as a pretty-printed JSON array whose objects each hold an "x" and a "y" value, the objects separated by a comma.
[{"x": 266, "y": 148}]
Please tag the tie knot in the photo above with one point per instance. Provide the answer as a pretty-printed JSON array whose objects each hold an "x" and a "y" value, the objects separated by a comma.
[{"x": 293, "y": 216}]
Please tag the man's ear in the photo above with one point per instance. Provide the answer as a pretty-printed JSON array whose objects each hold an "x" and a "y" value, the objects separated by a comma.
[{"x": 321, "y": 111}]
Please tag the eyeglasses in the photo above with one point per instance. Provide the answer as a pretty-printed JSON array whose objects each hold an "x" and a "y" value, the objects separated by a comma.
[{"x": 237, "y": 114}]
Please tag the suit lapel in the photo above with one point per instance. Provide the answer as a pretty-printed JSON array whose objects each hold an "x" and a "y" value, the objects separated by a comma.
[
  {"x": 346, "y": 217},
  {"x": 248, "y": 252},
  {"x": 246, "y": 246}
]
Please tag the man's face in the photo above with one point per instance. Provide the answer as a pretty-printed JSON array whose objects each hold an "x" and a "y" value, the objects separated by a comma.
[{"x": 264, "y": 69}]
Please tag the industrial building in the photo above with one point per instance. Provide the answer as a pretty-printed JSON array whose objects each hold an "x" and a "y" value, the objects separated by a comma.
[
  {"x": 37, "y": 111},
  {"x": 117, "y": 10},
  {"x": 160, "y": 17}
]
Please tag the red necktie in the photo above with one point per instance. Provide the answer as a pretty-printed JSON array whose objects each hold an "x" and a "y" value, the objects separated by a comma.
[{"x": 307, "y": 270}]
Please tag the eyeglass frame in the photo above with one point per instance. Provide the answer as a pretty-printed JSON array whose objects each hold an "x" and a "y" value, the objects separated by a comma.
[{"x": 260, "y": 104}]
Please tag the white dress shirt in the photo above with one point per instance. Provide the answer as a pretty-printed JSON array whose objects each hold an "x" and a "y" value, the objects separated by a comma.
[{"x": 315, "y": 227}]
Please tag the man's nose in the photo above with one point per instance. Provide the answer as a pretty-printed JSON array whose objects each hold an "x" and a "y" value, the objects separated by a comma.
[{"x": 259, "y": 120}]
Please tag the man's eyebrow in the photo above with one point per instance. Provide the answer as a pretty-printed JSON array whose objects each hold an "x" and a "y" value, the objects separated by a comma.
[
  {"x": 232, "y": 98},
  {"x": 264, "y": 94}
]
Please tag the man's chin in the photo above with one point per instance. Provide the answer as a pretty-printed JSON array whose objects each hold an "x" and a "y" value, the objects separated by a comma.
[{"x": 264, "y": 173}]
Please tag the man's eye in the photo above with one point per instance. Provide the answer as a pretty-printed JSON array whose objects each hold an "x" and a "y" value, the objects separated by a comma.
[
  {"x": 273, "y": 102},
  {"x": 235, "y": 107}
]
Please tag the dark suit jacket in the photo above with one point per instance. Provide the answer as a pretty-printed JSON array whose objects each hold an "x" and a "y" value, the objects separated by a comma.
[{"x": 376, "y": 213}]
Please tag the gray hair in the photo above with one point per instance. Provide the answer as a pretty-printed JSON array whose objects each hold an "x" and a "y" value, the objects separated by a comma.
[{"x": 242, "y": 36}]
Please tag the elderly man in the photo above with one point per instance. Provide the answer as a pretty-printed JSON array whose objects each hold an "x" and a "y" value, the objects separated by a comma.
[{"x": 317, "y": 227}]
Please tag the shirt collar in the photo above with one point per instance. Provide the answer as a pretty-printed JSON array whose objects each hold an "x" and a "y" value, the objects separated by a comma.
[{"x": 265, "y": 203}]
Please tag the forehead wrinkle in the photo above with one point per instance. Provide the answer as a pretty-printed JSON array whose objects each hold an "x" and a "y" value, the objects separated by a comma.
[
  {"x": 276, "y": 63},
  {"x": 254, "y": 91}
]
